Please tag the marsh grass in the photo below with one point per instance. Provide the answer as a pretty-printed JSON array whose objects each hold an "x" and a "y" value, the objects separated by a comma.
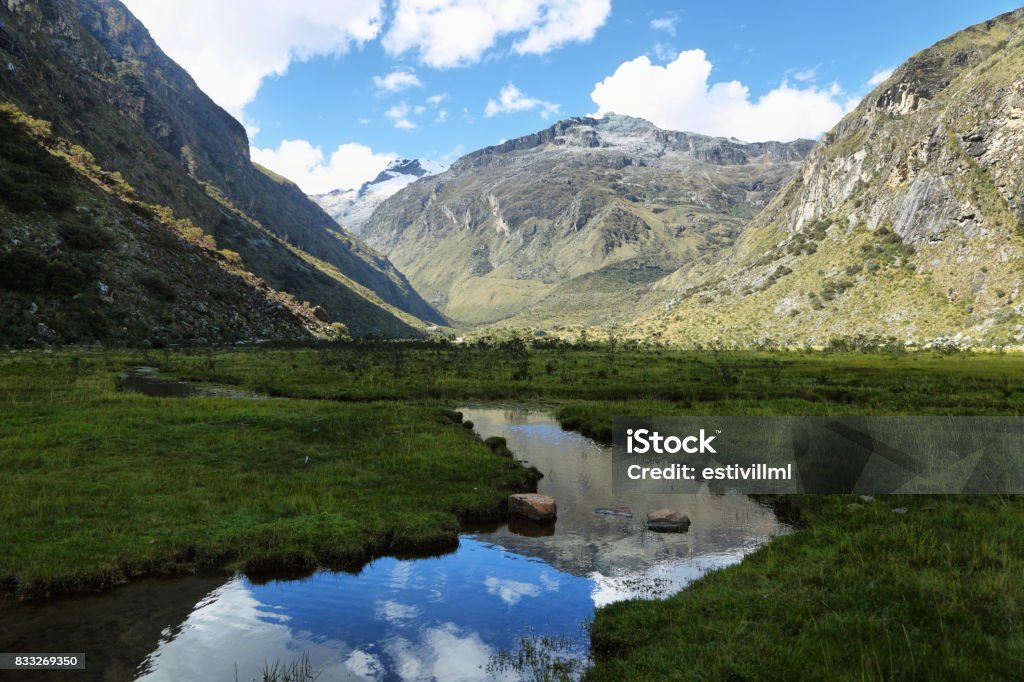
[{"x": 100, "y": 486}]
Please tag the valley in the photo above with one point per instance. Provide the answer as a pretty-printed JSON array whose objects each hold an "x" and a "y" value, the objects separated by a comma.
[{"x": 252, "y": 427}]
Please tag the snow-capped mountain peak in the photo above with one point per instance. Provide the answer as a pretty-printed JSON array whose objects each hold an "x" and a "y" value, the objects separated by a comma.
[{"x": 350, "y": 208}]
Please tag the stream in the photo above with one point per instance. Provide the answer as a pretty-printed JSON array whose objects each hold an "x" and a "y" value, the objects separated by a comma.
[{"x": 448, "y": 617}]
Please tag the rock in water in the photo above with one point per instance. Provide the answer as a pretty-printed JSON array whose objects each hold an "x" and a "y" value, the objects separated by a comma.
[
  {"x": 668, "y": 521},
  {"x": 533, "y": 506}
]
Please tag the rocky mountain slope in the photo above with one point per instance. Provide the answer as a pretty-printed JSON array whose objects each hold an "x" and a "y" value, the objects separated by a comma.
[
  {"x": 90, "y": 68},
  {"x": 351, "y": 208},
  {"x": 82, "y": 260},
  {"x": 905, "y": 220},
  {"x": 571, "y": 225}
]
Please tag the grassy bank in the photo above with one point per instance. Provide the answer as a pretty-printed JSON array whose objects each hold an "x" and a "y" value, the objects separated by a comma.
[
  {"x": 101, "y": 485},
  {"x": 895, "y": 588},
  {"x": 104, "y": 485}
]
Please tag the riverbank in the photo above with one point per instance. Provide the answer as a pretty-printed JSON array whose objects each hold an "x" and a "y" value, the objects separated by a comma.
[
  {"x": 887, "y": 587},
  {"x": 905, "y": 588},
  {"x": 102, "y": 486}
]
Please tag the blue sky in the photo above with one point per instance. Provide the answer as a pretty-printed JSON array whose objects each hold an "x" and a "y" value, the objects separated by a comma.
[{"x": 330, "y": 91}]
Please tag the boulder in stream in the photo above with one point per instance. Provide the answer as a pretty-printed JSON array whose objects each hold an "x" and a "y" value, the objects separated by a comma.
[
  {"x": 533, "y": 506},
  {"x": 668, "y": 521}
]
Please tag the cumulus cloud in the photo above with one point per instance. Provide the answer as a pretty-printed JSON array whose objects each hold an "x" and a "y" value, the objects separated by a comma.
[
  {"x": 397, "y": 80},
  {"x": 679, "y": 96},
  {"x": 348, "y": 167},
  {"x": 879, "y": 77},
  {"x": 512, "y": 100},
  {"x": 450, "y": 33},
  {"x": 230, "y": 47}
]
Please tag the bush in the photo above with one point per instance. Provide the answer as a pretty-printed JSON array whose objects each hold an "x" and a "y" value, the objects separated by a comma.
[
  {"x": 82, "y": 233},
  {"x": 22, "y": 271},
  {"x": 158, "y": 285}
]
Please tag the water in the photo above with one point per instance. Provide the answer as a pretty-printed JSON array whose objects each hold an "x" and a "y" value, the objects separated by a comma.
[{"x": 441, "y": 618}]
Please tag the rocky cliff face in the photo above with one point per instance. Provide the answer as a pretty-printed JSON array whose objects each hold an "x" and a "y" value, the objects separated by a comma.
[
  {"x": 571, "y": 225},
  {"x": 82, "y": 260},
  {"x": 91, "y": 68},
  {"x": 351, "y": 208},
  {"x": 904, "y": 221}
]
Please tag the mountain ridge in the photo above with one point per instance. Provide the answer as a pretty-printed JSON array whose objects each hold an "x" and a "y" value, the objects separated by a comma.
[
  {"x": 574, "y": 222},
  {"x": 904, "y": 222},
  {"x": 93, "y": 70},
  {"x": 351, "y": 208}
]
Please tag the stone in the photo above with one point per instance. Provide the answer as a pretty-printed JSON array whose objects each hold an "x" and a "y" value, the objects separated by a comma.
[
  {"x": 533, "y": 506},
  {"x": 321, "y": 314},
  {"x": 668, "y": 521}
]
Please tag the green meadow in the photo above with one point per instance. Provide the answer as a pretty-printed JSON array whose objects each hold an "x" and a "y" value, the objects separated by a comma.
[{"x": 357, "y": 454}]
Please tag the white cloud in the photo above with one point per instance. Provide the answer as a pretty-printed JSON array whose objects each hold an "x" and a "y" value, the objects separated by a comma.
[
  {"x": 664, "y": 52},
  {"x": 512, "y": 99},
  {"x": 435, "y": 100},
  {"x": 806, "y": 75},
  {"x": 666, "y": 24},
  {"x": 449, "y": 33},
  {"x": 879, "y": 77},
  {"x": 230, "y": 47},
  {"x": 397, "y": 80},
  {"x": 442, "y": 116},
  {"x": 678, "y": 96},
  {"x": 349, "y": 166},
  {"x": 511, "y": 591},
  {"x": 399, "y": 115}
]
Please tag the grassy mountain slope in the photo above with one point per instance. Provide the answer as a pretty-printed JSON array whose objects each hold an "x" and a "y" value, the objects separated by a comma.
[
  {"x": 571, "y": 225},
  {"x": 905, "y": 220},
  {"x": 92, "y": 69}
]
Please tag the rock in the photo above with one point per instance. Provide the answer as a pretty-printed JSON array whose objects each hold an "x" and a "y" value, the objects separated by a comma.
[
  {"x": 899, "y": 510},
  {"x": 321, "y": 314},
  {"x": 667, "y": 521},
  {"x": 498, "y": 446},
  {"x": 44, "y": 331},
  {"x": 867, "y": 498},
  {"x": 624, "y": 512},
  {"x": 533, "y": 506}
]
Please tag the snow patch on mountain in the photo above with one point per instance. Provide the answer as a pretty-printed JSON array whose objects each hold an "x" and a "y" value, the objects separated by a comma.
[{"x": 351, "y": 208}]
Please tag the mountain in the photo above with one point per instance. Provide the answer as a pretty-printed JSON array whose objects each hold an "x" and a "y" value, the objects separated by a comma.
[
  {"x": 572, "y": 225},
  {"x": 82, "y": 260},
  {"x": 351, "y": 208},
  {"x": 91, "y": 70},
  {"x": 904, "y": 221}
]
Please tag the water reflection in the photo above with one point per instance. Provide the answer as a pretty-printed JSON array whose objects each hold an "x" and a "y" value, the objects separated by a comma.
[
  {"x": 616, "y": 552},
  {"x": 436, "y": 618},
  {"x": 441, "y": 618}
]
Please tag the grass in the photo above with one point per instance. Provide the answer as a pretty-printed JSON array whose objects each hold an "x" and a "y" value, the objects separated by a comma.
[
  {"x": 102, "y": 486},
  {"x": 861, "y": 592}
]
